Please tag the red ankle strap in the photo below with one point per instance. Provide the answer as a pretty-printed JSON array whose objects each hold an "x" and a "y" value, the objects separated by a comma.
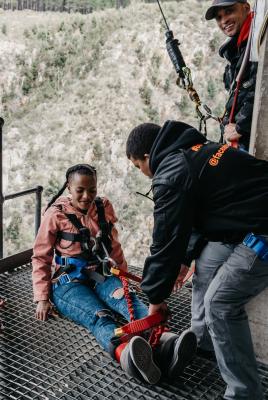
[
  {"x": 119, "y": 350},
  {"x": 140, "y": 325}
]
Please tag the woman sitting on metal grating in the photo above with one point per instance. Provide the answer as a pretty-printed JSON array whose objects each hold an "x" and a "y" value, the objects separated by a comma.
[{"x": 77, "y": 235}]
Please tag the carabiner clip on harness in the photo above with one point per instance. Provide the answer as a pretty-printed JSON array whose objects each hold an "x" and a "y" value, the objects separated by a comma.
[{"x": 106, "y": 260}]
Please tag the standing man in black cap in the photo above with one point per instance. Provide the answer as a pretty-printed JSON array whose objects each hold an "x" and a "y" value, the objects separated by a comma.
[{"x": 234, "y": 18}]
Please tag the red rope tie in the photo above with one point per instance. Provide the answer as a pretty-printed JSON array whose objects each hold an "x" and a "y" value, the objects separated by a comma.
[
  {"x": 156, "y": 335},
  {"x": 128, "y": 298}
]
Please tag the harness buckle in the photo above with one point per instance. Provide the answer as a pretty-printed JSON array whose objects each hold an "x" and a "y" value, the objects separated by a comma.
[
  {"x": 64, "y": 279},
  {"x": 105, "y": 267},
  {"x": 61, "y": 280},
  {"x": 62, "y": 260},
  {"x": 258, "y": 244},
  {"x": 250, "y": 240}
]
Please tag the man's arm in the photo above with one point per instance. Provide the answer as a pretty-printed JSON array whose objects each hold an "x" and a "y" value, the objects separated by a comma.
[
  {"x": 173, "y": 215},
  {"x": 243, "y": 118},
  {"x": 195, "y": 246}
]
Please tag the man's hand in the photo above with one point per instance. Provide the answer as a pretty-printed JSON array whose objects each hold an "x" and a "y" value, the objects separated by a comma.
[
  {"x": 154, "y": 308},
  {"x": 43, "y": 309},
  {"x": 179, "y": 281},
  {"x": 230, "y": 134}
]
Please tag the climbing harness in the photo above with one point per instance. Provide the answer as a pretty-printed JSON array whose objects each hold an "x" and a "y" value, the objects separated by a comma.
[
  {"x": 94, "y": 261},
  {"x": 87, "y": 266},
  {"x": 94, "y": 254},
  {"x": 184, "y": 79}
]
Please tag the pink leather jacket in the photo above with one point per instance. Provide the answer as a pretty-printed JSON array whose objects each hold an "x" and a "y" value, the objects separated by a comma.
[{"x": 55, "y": 220}]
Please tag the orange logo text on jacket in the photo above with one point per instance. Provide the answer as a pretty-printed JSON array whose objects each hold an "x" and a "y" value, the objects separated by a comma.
[
  {"x": 214, "y": 160},
  {"x": 196, "y": 147}
]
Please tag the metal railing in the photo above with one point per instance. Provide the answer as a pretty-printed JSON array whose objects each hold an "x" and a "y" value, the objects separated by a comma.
[{"x": 37, "y": 190}]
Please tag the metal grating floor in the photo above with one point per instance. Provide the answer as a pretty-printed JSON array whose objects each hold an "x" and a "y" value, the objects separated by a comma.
[{"x": 60, "y": 360}]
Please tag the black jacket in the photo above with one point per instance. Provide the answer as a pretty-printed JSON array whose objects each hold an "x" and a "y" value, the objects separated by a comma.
[
  {"x": 245, "y": 101},
  {"x": 217, "y": 190}
]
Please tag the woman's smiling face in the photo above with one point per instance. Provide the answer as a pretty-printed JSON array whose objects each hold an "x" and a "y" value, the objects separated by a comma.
[{"x": 83, "y": 189}]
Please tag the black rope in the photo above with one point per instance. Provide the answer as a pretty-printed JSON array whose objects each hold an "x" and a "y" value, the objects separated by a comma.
[
  {"x": 163, "y": 15},
  {"x": 146, "y": 194}
]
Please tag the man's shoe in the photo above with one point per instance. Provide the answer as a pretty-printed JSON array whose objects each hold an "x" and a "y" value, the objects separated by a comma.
[
  {"x": 137, "y": 360},
  {"x": 175, "y": 352},
  {"x": 207, "y": 354}
]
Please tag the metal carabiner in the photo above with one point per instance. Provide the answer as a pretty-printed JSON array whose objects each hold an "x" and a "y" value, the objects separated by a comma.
[{"x": 110, "y": 259}]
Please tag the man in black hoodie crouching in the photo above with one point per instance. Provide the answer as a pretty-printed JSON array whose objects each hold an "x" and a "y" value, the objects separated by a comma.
[{"x": 221, "y": 194}]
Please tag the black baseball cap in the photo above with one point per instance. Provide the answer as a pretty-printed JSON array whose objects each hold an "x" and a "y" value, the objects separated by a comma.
[{"x": 211, "y": 12}]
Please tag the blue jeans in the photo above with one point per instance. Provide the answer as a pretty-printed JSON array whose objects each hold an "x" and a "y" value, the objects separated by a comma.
[
  {"x": 93, "y": 308},
  {"x": 226, "y": 278}
]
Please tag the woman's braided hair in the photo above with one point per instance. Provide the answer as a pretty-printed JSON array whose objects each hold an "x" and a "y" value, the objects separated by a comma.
[{"x": 82, "y": 169}]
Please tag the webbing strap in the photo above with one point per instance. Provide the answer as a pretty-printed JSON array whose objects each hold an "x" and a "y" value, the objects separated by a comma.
[
  {"x": 140, "y": 325},
  {"x": 67, "y": 261},
  {"x": 75, "y": 221},
  {"x": 72, "y": 237},
  {"x": 101, "y": 217},
  {"x": 83, "y": 235},
  {"x": 118, "y": 272}
]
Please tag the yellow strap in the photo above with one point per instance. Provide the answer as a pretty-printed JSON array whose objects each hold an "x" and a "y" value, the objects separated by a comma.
[{"x": 115, "y": 271}]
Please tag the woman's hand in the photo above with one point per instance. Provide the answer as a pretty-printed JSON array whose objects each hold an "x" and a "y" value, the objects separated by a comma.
[
  {"x": 43, "y": 308},
  {"x": 179, "y": 281}
]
